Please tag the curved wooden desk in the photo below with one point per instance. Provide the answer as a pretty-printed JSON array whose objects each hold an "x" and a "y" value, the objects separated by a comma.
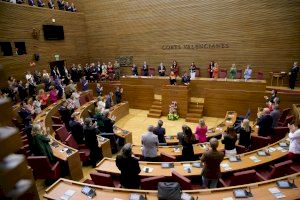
[
  {"x": 259, "y": 190},
  {"x": 107, "y": 165}
]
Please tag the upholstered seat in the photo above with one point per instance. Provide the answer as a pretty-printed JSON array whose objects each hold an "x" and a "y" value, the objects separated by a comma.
[
  {"x": 43, "y": 169},
  {"x": 241, "y": 178},
  {"x": 62, "y": 133},
  {"x": 152, "y": 182},
  {"x": 167, "y": 158},
  {"x": 84, "y": 152},
  {"x": 276, "y": 171}
]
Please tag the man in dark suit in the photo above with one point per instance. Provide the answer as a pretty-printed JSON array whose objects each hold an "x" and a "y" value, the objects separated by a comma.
[
  {"x": 118, "y": 95},
  {"x": 108, "y": 123},
  {"x": 60, "y": 4},
  {"x": 40, "y": 3},
  {"x": 212, "y": 159},
  {"x": 24, "y": 113},
  {"x": 31, "y": 2},
  {"x": 65, "y": 114},
  {"x": 51, "y": 4},
  {"x": 145, "y": 69},
  {"x": 90, "y": 134},
  {"x": 293, "y": 75},
  {"x": 161, "y": 69},
  {"x": 160, "y": 132},
  {"x": 108, "y": 101},
  {"x": 265, "y": 123},
  {"x": 22, "y": 91},
  {"x": 76, "y": 129}
]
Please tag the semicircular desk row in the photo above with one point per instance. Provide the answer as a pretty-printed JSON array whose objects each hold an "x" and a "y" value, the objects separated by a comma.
[
  {"x": 259, "y": 190},
  {"x": 70, "y": 155}
]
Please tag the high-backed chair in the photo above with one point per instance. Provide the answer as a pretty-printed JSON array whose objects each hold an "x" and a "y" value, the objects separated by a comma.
[
  {"x": 56, "y": 120},
  {"x": 151, "y": 71},
  {"x": 104, "y": 180},
  {"x": 239, "y": 74},
  {"x": 279, "y": 133},
  {"x": 241, "y": 178},
  {"x": 56, "y": 126},
  {"x": 223, "y": 73},
  {"x": 89, "y": 96},
  {"x": 287, "y": 120},
  {"x": 258, "y": 142},
  {"x": 185, "y": 183},
  {"x": 276, "y": 171},
  {"x": 167, "y": 158},
  {"x": 151, "y": 182},
  {"x": 62, "y": 134},
  {"x": 82, "y": 100},
  {"x": 84, "y": 152},
  {"x": 43, "y": 169},
  {"x": 260, "y": 76},
  {"x": 284, "y": 114},
  {"x": 240, "y": 149}
]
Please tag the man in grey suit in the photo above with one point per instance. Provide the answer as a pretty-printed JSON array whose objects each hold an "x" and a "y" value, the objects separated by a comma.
[
  {"x": 275, "y": 114},
  {"x": 150, "y": 144}
]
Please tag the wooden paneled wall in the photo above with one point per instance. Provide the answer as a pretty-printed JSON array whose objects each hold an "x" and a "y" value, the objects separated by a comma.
[
  {"x": 264, "y": 33},
  {"x": 16, "y": 25}
]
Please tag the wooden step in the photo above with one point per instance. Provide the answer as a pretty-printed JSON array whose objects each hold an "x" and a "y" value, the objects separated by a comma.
[
  {"x": 195, "y": 106},
  {"x": 192, "y": 119},
  {"x": 157, "y": 107},
  {"x": 156, "y": 102},
  {"x": 194, "y": 115},
  {"x": 154, "y": 115},
  {"x": 195, "y": 110},
  {"x": 155, "y": 111}
]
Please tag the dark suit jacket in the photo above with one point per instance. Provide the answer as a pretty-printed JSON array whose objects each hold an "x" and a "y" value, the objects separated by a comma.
[
  {"x": 160, "y": 132},
  {"x": 294, "y": 71},
  {"x": 245, "y": 137},
  {"x": 24, "y": 113},
  {"x": 130, "y": 170},
  {"x": 163, "y": 73},
  {"x": 90, "y": 135},
  {"x": 77, "y": 131},
  {"x": 40, "y": 3},
  {"x": 108, "y": 125},
  {"x": 265, "y": 124},
  {"x": 60, "y": 5},
  {"x": 212, "y": 160},
  {"x": 31, "y": 2},
  {"x": 108, "y": 103},
  {"x": 186, "y": 79},
  {"x": 65, "y": 115}
]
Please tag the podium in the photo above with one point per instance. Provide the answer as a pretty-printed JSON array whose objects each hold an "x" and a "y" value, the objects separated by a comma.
[{"x": 178, "y": 93}]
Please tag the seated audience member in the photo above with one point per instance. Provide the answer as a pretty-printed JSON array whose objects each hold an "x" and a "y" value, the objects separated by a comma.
[
  {"x": 108, "y": 101},
  {"x": 265, "y": 123},
  {"x": 60, "y": 4},
  {"x": 145, "y": 69},
  {"x": 293, "y": 75},
  {"x": 76, "y": 129},
  {"x": 150, "y": 144},
  {"x": 187, "y": 145},
  {"x": 40, "y": 3},
  {"x": 84, "y": 84},
  {"x": 51, "y": 4},
  {"x": 186, "y": 79},
  {"x": 272, "y": 97},
  {"x": 245, "y": 133},
  {"x": 180, "y": 135},
  {"x": 229, "y": 139},
  {"x": 275, "y": 114},
  {"x": 161, "y": 69},
  {"x": 232, "y": 72},
  {"x": 212, "y": 159},
  {"x": 215, "y": 73},
  {"x": 160, "y": 132},
  {"x": 247, "y": 73},
  {"x": 211, "y": 69},
  {"x": 22, "y": 90},
  {"x": 172, "y": 78},
  {"x": 31, "y": 2},
  {"x": 37, "y": 105},
  {"x": 23, "y": 112},
  {"x": 294, "y": 136},
  {"x": 99, "y": 90},
  {"x": 193, "y": 70},
  {"x": 118, "y": 95},
  {"x": 43, "y": 97},
  {"x": 53, "y": 94},
  {"x": 40, "y": 143},
  {"x": 108, "y": 122},
  {"x": 201, "y": 131},
  {"x": 90, "y": 134},
  {"x": 134, "y": 70},
  {"x": 129, "y": 167}
]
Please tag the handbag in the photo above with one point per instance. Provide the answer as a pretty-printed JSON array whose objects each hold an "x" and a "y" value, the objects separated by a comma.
[{"x": 169, "y": 191}]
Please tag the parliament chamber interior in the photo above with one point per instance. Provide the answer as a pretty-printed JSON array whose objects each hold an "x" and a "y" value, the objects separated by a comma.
[{"x": 149, "y": 99}]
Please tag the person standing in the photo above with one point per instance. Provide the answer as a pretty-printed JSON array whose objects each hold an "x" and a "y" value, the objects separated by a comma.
[
  {"x": 161, "y": 69},
  {"x": 134, "y": 70},
  {"x": 117, "y": 70},
  {"x": 150, "y": 144},
  {"x": 265, "y": 122},
  {"x": 232, "y": 72},
  {"x": 118, "y": 95},
  {"x": 145, "y": 69},
  {"x": 248, "y": 73},
  {"x": 275, "y": 114},
  {"x": 229, "y": 140},
  {"x": 293, "y": 75},
  {"x": 212, "y": 159},
  {"x": 294, "y": 136},
  {"x": 201, "y": 131},
  {"x": 211, "y": 69},
  {"x": 187, "y": 145},
  {"x": 160, "y": 131},
  {"x": 245, "y": 134},
  {"x": 129, "y": 167},
  {"x": 84, "y": 84}
]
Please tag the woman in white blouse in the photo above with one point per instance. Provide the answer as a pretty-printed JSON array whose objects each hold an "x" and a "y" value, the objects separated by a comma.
[{"x": 294, "y": 136}]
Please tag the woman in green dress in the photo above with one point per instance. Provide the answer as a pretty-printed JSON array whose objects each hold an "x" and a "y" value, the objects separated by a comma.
[
  {"x": 232, "y": 72},
  {"x": 40, "y": 142}
]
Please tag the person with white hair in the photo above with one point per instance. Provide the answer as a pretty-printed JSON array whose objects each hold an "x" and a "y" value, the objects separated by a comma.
[
  {"x": 129, "y": 167},
  {"x": 150, "y": 144},
  {"x": 265, "y": 123}
]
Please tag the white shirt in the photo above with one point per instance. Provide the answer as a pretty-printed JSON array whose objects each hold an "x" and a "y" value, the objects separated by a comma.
[
  {"x": 150, "y": 143},
  {"x": 295, "y": 142}
]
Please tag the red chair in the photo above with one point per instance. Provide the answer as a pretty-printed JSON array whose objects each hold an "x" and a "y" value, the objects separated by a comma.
[
  {"x": 185, "y": 183},
  {"x": 279, "y": 133},
  {"x": 82, "y": 100},
  {"x": 284, "y": 114},
  {"x": 223, "y": 73},
  {"x": 104, "y": 180},
  {"x": 167, "y": 158},
  {"x": 241, "y": 178},
  {"x": 258, "y": 142},
  {"x": 152, "y": 182},
  {"x": 43, "y": 169},
  {"x": 295, "y": 167},
  {"x": 260, "y": 76},
  {"x": 241, "y": 149},
  {"x": 239, "y": 74},
  {"x": 276, "y": 171},
  {"x": 16, "y": 123},
  {"x": 151, "y": 71},
  {"x": 287, "y": 120},
  {"x": 89, "y": 96},
  {"x": 84, "y": 152},
  {"x": 56, "y": 120},
  {"x": 56, "y": 126},
  {"x": 62, "y": 134},
  {"x": 25, "y": 150}
]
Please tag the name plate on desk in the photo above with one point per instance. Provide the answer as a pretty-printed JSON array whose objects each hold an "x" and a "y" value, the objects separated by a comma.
[{"x": 167, "y": 165}]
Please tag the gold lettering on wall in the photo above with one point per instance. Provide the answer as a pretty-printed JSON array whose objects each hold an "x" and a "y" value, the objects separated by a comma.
[{"x": 203, "y": 45}]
